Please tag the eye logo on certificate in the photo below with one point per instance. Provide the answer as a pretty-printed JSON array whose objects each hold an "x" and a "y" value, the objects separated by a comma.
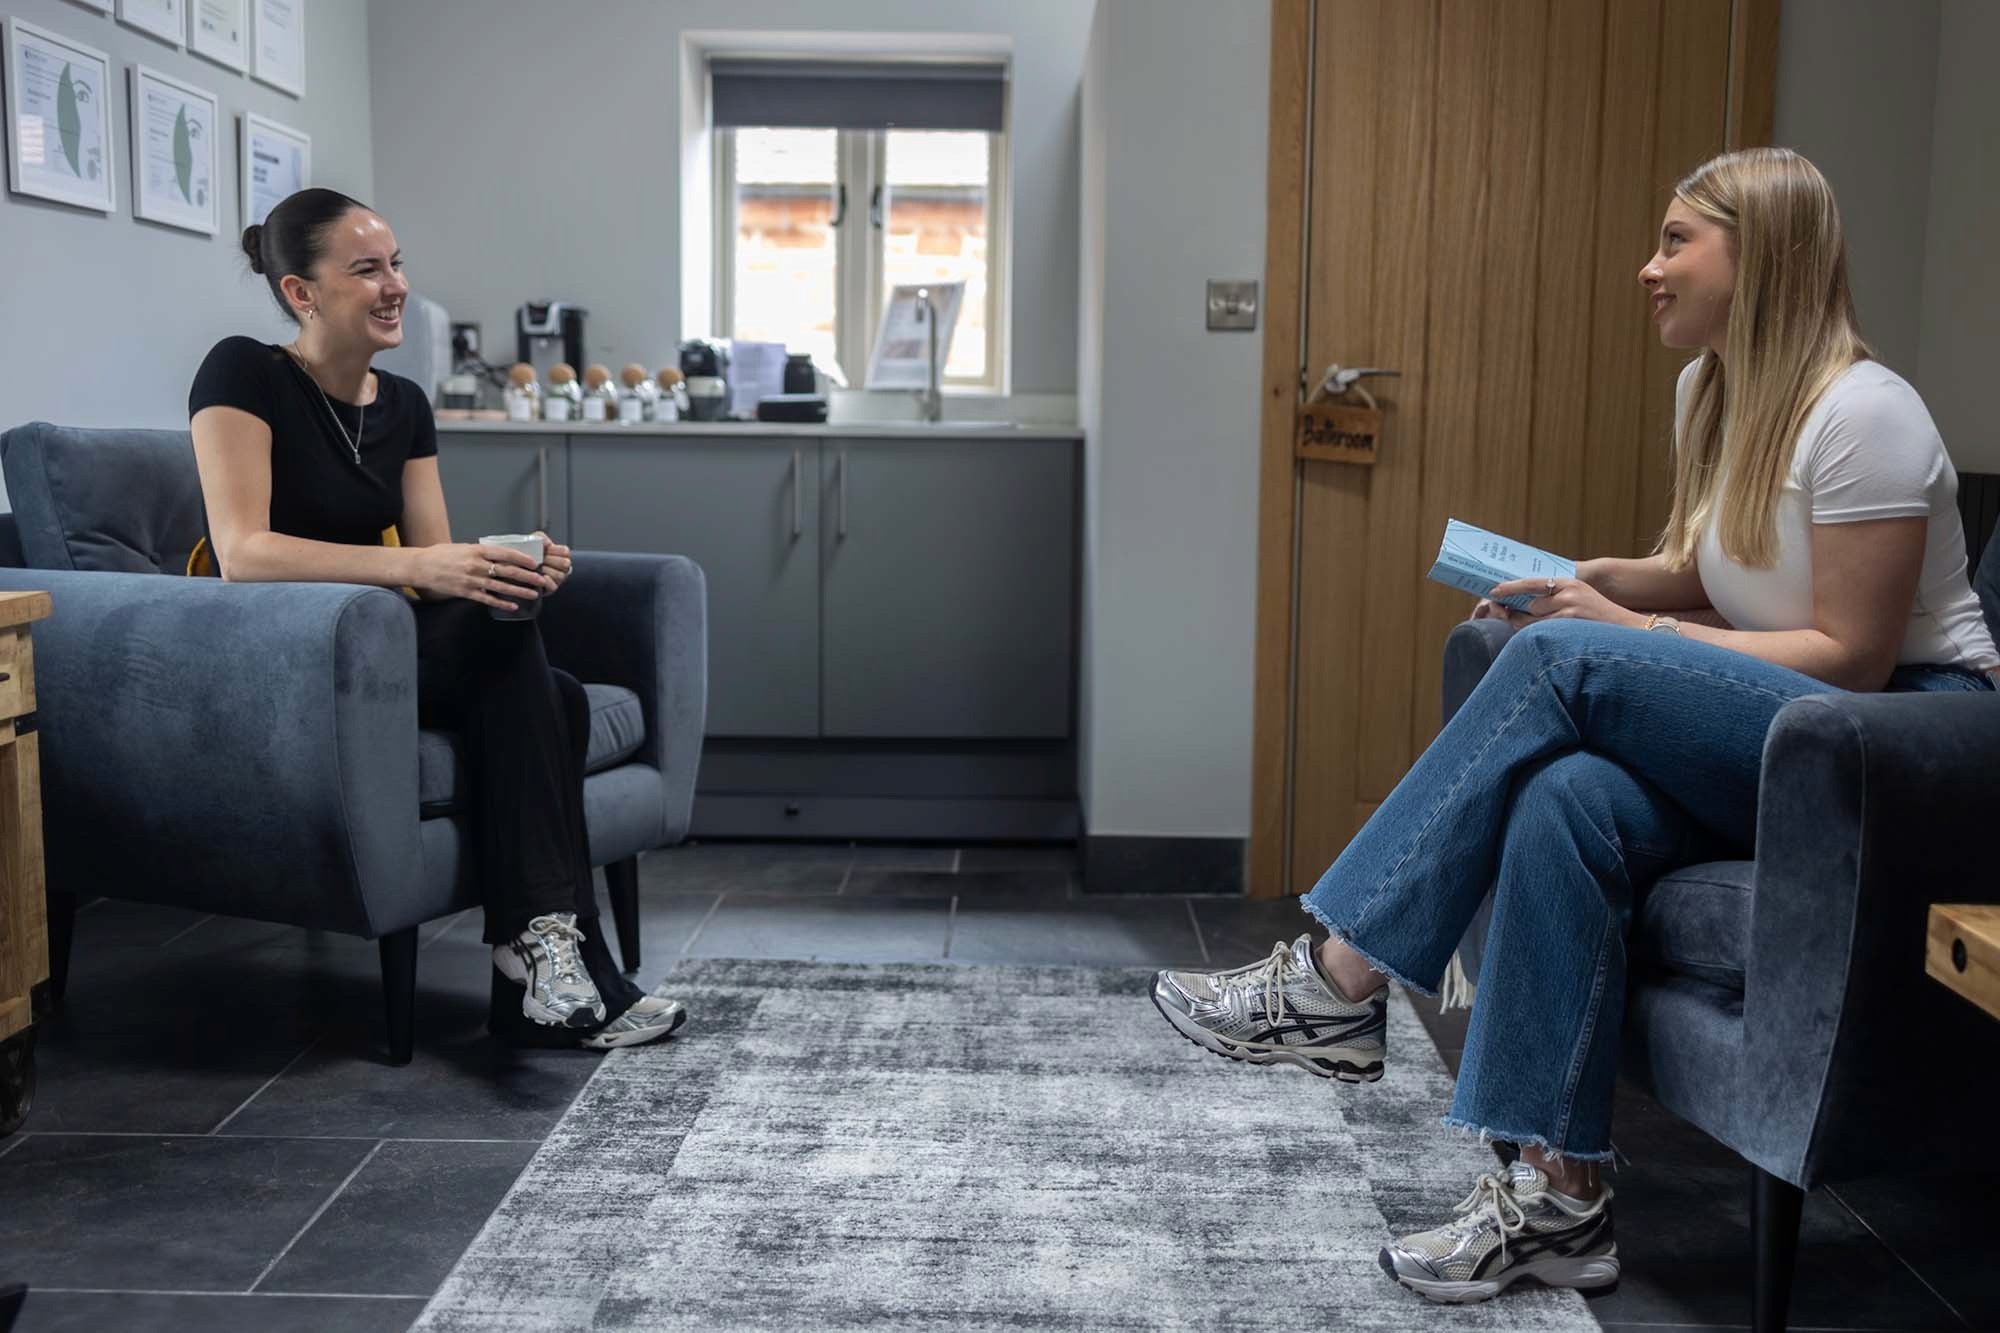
[
  {"x": 173, "y": 151},
  {"x": 58, "y": 119}
]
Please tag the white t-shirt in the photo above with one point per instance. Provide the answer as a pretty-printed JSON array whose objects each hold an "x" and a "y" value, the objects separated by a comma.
[{"x": 1868, "y": 449}]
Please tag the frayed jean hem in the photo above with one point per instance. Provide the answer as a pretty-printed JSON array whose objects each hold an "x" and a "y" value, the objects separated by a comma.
[
  {"x": 1346, "y": 937},
  {"x": 1535, "y": 1141}
]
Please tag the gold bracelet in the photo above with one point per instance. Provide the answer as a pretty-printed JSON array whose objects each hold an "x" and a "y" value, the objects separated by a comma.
[{"x": 1658, "y": 621}]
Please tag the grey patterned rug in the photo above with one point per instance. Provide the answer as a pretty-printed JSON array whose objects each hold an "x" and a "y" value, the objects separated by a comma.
[{"x": 844, "y": 1146}]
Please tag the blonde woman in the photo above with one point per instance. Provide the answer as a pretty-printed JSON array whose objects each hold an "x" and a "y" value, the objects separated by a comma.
[{"x": 1814, "y": 525}]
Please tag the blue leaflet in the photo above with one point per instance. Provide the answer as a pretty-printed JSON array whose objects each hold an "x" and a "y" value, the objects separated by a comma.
[{"x": 1474, "y": 560}]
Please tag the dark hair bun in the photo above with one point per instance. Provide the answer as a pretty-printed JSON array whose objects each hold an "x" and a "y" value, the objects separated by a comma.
[{"x": 253, "y": 246}]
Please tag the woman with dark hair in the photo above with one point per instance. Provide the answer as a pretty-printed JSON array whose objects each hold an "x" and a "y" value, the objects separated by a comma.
[
  {"x": 308, "y": 458},
  {"x": 1815, "y": 533}
]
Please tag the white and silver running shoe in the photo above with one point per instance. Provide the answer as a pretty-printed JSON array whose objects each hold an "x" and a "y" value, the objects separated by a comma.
[
  {"x": 1509, "y": 1227},
  {"x": 543, "y": 959},
  {"x": 650, "y": 1018},
  {"x": 1279, "y": 1011}
]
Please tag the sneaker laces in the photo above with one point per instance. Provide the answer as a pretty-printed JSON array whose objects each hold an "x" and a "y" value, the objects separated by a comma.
[
  {"x": 1270, "y": 976},
  {"x": 559, "y": 939},
  {"x": 1491, "y": 1202}
]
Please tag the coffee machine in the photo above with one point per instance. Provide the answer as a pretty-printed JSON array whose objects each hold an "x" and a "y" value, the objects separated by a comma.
[
  {"x": 550, "y": 332},
  {"x": 705, "y": 364}
]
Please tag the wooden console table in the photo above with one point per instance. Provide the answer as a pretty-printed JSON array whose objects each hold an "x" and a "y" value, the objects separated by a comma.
[
  {"x": 24, "y": 934},
  {"x": 1962, "y": 949}
]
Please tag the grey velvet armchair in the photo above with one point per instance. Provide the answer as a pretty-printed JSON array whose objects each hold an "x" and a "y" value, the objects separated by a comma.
[
  {"x": 253, "y": 749},
  {"x": 1779, "y": 1003}
]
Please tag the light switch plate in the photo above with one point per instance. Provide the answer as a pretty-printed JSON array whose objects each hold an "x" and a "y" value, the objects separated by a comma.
[{"x": 1232, "y": 304}]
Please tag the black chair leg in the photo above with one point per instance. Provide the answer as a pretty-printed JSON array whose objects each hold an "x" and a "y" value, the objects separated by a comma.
[
  {"x": 62, "y": 930},
  {"x": 399, "y": 993},
  {"x": 621, "y": 881},
  {"x": 1774, "y": 1225}
]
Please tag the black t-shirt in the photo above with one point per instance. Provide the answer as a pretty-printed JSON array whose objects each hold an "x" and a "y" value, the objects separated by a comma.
[{"x": 318, "y": 491}]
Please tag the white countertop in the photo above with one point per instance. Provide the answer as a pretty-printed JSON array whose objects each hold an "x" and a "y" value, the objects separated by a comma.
[{"x": 871, "y": 430}]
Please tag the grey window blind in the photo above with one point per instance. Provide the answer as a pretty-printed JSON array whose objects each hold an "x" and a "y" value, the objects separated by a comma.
[{"x": 853, "y": 95}]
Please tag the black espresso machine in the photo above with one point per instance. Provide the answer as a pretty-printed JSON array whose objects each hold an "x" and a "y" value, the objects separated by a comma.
[{"x": 549, "y": 332}]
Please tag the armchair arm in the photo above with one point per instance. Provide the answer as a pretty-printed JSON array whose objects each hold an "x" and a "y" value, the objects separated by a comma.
[
  {"x": 247, "y": 749},
  {"x": 641, "y": 621},
  {"x": 1870, "y": 807},
  {"x": 1469, "y": 653}
]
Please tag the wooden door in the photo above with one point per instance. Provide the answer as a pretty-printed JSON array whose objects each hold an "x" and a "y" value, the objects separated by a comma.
[{"x": 1462, "y": 191}]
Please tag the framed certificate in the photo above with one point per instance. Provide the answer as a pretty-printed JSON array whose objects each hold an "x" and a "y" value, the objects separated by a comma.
[
  {"x": 164, "y": 19},
  {"x": 278, "y": 44},
  {"x": 277, "y": 162},
  {"x": 219, "y": 30},
  {"x": 173, "y": 151},
  {"x": 58, "y": 119}
]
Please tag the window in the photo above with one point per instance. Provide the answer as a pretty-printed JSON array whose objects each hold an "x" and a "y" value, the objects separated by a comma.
[{"x": 816, "y": 226}]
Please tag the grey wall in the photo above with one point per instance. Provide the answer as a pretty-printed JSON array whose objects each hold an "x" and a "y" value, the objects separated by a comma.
[
  {"x": 1961, "y": 310},
  {"x": 1177, "y": 133},
  {"x": 1855, "y": 95},
  {"x": 514, "y": 166},
  {"x": 1090, "y": 374},
  {"x": 104, "y": 319},
  {"x": 1896, "y": 102}
]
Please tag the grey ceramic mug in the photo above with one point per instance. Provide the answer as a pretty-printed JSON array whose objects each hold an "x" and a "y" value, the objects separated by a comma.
[{"x": 527, "y": 545}]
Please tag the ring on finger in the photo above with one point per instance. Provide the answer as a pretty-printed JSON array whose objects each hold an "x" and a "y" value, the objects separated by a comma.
[{"x": 1552, "y": 587}]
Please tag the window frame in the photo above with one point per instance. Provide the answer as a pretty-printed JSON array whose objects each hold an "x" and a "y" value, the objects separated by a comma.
[{"x": 860, "y": 165}]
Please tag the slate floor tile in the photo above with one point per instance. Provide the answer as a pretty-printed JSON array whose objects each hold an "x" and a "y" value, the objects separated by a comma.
[
  {"x": 1027, "y": 888},
  {"x": 180, "y": 1214},
  {"x": 874, "y": 930},
  {"x": 152, "y": 1312},
  {"x": 1924, "y": 1218},
  {"x": 1242, "y": 930},
  {"x": 1142, "y": 932},
  {"x": 1684, "y": 1243},
  {"x": 402, "y": 1222}
]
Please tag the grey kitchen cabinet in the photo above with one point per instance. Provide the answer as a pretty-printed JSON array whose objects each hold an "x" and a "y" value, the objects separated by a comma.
[
  {"x": 747, "y": 512},
  {"x": 948, "y": 587},
  {"x": 495, "y": 483}
]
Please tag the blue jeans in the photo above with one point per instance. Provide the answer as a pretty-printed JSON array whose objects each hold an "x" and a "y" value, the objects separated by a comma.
[{"x": 1590, "y": 759}]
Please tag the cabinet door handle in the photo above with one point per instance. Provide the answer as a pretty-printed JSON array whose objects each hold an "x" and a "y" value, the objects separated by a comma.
[
  {"x": 542, "y": 488},
  {"x": 842, "y": 465},
  {"x": 798, "y": 494}
]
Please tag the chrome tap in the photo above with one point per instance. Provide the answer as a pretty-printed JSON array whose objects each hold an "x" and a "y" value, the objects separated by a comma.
[{"x": 931, "y": 398}]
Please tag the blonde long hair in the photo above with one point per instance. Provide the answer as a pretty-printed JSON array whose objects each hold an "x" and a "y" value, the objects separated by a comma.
[{"x": 1791, "y": 333}]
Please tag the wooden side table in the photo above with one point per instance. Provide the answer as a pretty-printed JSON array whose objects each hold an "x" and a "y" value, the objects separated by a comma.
[
  {"x": 1962, "y": 949},
  {"x": 24, "y": 933}
]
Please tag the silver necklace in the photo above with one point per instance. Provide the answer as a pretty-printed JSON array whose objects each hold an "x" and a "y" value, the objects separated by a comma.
[{"x": 353, "y": 442}]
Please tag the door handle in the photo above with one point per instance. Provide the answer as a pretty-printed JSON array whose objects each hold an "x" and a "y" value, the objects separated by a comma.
[
  {"x": 542, "y": 488},
  {"x": 798, "y": 494},
  {"x": 841, "y": 465}
]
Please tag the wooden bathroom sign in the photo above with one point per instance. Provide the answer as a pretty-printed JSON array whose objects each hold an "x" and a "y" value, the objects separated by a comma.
[{"x": 1338, "y": 433}]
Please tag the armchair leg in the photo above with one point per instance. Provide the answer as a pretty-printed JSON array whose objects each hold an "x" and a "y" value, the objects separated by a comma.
[
  {"x": 1774, "y": 1225},
  {"x": 399, "y": 993},
  {"x": 621, "y": 881},
  {"x": 62, "y": 930}
]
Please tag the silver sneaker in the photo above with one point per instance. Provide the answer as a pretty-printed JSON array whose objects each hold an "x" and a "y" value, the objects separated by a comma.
[
  {"x": 1509, "y": 1227},
  {"x": 650, "y": 1018},
  {"x": 1278, "y": 1011},
  {"x": 558, "y": 991}
]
